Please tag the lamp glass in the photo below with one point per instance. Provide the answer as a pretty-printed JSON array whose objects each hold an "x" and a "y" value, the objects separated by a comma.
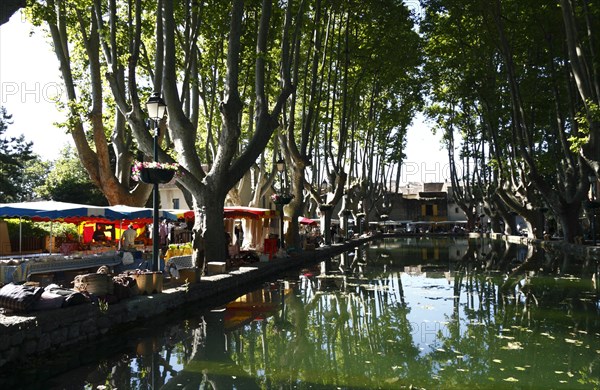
[
  {"x": 156, "y": 107},
  {"x": 280, "y": 165}
]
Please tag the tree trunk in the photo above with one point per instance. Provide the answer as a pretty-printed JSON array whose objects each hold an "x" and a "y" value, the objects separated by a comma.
[
  {"x": 325, "y": 222},
  {"x": 214, "y": 230},
  {"x": 569, "y": 222},
  {"x": 198, "y": 244}
]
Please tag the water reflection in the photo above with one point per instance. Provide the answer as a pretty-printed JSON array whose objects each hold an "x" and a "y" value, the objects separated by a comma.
[{"x": 399, "y": 312}]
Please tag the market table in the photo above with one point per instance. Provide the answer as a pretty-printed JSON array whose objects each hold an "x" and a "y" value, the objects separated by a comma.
[
  {"x": 68, "y": 247},
  {"x": 71, "y": 264},
  {"x": 51, "y": 264}
]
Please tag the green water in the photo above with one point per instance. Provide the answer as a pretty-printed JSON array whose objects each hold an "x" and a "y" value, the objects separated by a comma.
[{"x": 426, "y": 313}]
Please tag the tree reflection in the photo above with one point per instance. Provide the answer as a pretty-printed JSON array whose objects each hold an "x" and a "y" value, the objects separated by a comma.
[
  {"x": 506, "y": 313},
  {"x": 502, "y": 316},
  {"x": 352, "y": 329}
]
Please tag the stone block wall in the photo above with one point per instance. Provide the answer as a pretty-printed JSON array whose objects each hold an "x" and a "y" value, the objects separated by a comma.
[{"x": 22, "y": 336}]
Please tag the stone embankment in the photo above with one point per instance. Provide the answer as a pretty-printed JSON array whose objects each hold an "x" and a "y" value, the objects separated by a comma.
[
  {"x": 583, "y": 251},
  {"x": 39, "y": 333}
]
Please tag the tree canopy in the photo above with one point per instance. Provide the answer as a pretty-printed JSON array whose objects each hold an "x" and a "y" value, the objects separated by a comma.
[
  {"x": 331, "y": 87},
  {"x": 503, "y": 89},
  {"x": 319, "y": 74},
  {"x": 15, "y": 153},
  {"x": 67, "y": 181}
]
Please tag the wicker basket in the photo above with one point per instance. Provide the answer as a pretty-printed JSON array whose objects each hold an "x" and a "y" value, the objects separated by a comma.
[
  {"x": 97, "y": 284},
  {"x": 144, "y": 283},
  {"x": 157, "y": 281},
  {"x": 149, "y": 283}
]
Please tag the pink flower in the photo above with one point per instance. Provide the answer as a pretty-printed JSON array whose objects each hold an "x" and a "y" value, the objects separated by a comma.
[
  {"x": 278, "y": 197},
  {"x": 139, "y": 165}
]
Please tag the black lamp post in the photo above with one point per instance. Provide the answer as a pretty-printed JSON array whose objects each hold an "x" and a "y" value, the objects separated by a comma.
[
  {"x": 592, "y": 179},
  {"x": 156, "y": 111},
  {"x": 280, "y": 203}
]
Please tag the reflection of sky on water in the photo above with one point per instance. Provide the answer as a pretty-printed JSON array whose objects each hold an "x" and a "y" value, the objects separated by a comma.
[{"x": 430, "y": 301}]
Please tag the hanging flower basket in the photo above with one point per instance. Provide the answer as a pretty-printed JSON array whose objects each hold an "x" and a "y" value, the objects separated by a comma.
[
  {"x": 156, "y": 175},
  {"x": 282, "y": 198},
  {"x": 153, "y": 172}
]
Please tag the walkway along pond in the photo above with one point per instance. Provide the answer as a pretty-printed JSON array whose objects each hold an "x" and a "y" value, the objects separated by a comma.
[{"x": 41, "y": 333}]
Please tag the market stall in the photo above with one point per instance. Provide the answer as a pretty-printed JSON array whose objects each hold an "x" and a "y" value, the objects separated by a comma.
[
  {"x": 75, "y": 253},
  {"x": 114, "y": 218},
  {"x": 255, "y": 223},
  {"x": 51, "y": 211}
]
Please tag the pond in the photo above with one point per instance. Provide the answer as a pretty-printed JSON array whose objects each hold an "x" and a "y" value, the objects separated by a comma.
[{"x": 427, "y": 313}]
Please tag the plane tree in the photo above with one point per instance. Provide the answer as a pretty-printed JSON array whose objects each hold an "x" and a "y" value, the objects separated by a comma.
[
  {"x": 508, "y": 68},
  {"x": 464, "y": 160},
  {"x": 581, "y": 26},
  {"x": 542, "y": 113},
  {"x": 201, "y": 57},
  {"x": 392, "y": 85},
  {"x": 103, "y": 141},
  {"x": 460, "y": 73},
  {"x": 357, "y": 91},
  {"x": 210, "y": 187}
]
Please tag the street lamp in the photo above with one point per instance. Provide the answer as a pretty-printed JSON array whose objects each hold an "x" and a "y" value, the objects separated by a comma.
[
  {"x": 156, "y": 111},
  {"x": 280, "y": 168}
]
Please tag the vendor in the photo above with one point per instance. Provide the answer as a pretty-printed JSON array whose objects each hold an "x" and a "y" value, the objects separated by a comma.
[
  {"x": 99, "y": 235},
  {"x": 128, "y": 237}
]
